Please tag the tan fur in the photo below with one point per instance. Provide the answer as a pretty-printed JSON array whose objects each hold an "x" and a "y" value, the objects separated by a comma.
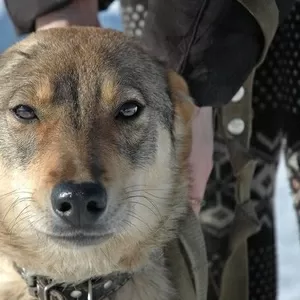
[
  {"x": 44, "y": 91},
  {"x": 161, "y": 190},
  {"x": 109, "y": 91}
]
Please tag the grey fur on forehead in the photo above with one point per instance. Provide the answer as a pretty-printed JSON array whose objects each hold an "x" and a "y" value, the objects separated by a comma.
[{"x": 64, "y": 59}]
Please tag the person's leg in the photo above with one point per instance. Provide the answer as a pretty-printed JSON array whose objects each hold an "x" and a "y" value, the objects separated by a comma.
[
  {"x": 265, "y": 146},
  {"x": 269, "y": 96},
  {"x": 217, "y": 218}
]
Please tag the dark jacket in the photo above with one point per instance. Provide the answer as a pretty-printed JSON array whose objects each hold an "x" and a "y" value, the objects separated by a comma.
[{"x": 214, "y": 44}]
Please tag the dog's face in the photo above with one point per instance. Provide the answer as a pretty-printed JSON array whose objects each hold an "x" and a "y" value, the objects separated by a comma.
[{"x": 94, "y": 140}]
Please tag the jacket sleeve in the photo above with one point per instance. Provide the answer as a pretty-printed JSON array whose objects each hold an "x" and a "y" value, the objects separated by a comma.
[
  {"x": 23, "y": 13},
  {"x": 214, "y": 44}
]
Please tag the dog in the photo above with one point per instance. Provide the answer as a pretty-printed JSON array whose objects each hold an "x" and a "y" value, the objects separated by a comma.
[{"x": 94, "y": 144}]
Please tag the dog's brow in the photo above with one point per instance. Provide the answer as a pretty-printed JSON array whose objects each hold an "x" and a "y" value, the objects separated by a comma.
[
  {"x": 108, "y": 90},
  {"x": 65, "y": 88},
  {"x": 44, "y": 91}
]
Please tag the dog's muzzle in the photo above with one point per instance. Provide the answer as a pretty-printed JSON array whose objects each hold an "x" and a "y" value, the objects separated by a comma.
[{"x": 99, "y": 288}]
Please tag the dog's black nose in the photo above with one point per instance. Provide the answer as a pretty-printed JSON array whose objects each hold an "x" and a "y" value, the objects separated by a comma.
[{"x": 79, "y": 204}]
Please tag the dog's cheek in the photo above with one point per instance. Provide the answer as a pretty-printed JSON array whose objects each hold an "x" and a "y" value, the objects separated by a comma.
[
  {"x": 151, "y": 185},
  {"x": 15, "y": 199},
  {"x": 161, "y": 201},
  {"x": 7, "y": 196},
  {"x": 28, "y": 193},
  {"x": 16, "y": 236},
  {"x": 150, "y": 204}
]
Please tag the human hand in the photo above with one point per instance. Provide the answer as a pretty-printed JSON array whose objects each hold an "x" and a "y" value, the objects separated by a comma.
[
  {"x": 201, "y": 157},
  {"x": 78, "y": 12}
]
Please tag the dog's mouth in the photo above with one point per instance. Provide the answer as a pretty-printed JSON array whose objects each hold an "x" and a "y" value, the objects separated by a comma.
[
  {"x": 80, "y": 239},
  {"x": 67, "y": 235}
]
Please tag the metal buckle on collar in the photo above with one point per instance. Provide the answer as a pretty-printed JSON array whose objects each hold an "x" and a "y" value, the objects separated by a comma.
[
  {"x": 40, "y": 287},
  {"x": 43, "y": 289},
  {"x": 46, "y": 290}
]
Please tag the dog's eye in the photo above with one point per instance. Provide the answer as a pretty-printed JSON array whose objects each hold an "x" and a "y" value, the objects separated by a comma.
[
  {"x": 129, "y": 110},
  {"x": 24, "y": 112}
]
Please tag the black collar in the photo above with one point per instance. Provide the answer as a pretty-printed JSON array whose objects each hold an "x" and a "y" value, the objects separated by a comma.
[{"x": 99, "y": 288}]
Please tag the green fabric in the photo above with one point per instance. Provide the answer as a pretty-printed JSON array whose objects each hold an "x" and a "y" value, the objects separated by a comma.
[
  {"x": 187, "y": 261},
  {"x": 234, "y": 284},
  {"x": 267, "y": 16}
]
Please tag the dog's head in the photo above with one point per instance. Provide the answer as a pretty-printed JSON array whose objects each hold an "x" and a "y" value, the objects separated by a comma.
[{"x": 94, "y": 141}]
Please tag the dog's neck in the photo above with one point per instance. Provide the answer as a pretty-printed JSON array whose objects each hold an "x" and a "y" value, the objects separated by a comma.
[{"x": 118, "y": 285}]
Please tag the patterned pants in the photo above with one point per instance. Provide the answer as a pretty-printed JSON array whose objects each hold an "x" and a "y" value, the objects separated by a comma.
[{"x": 276, "y": 125}]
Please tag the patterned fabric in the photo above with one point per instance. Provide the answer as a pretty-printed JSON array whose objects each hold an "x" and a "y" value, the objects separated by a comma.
[
  {"x": 276, "y": 123},
  {"x": 276, "y": 105},
  {"x": 134, "y": 13}
]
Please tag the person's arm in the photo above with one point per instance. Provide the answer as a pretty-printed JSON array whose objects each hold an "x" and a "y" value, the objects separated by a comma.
[
  {"x": 214, "y": 44},
  {"x": 25, "y": 13}
]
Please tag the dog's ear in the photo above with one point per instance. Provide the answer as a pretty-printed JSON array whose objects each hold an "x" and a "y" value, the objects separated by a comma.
[
  {"x": 184, "y": 111},
  {"x": 180, "y": 96}
]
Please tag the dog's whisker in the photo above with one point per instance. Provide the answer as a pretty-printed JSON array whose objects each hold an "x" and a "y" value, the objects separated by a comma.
[
  {"x": 130, "y": 224},
  {"x": 16, "y": 220},
  {"x": 146, "y": 206},
  {"x": 134, "y": 216},
  {"x": 148, "y": 199},
  {"x": 148, "y": 187},
  {"x": 26, "y": 216},
  {"x": 43, "y": 218},
  {"x": 155, "y": 212},
  {"x": 3, "y": 196},
  {"x": 148, "y": 193},
  {"x": 145, "y": 190},
  {"x": 144, "y": 197},
  {"x": 14, "y": 204}
]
